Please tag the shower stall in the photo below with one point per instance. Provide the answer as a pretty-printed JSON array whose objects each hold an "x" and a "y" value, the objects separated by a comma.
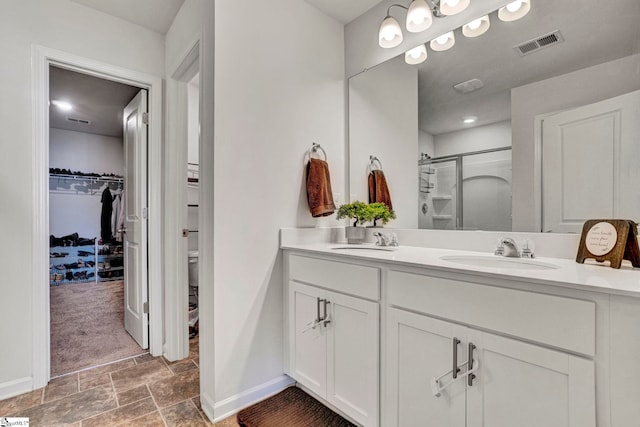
[{"x": 468, "y": 191}]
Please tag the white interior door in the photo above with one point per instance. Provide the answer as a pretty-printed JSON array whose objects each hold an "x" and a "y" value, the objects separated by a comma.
[
  {"x": 591, "y": 163},
  {"x": 136, "y": 312}
]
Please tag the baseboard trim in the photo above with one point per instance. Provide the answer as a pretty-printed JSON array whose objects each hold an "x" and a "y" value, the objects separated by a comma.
[
  {"x": 13, "y": 388},
  {"x": 208, "y": 405},
  {"x": 231, "y": 405}
]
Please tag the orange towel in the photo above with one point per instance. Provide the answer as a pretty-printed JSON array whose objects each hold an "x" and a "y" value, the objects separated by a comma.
[
  {"x": 319, "y": 192},
  {"x": 378, "y": 189}
]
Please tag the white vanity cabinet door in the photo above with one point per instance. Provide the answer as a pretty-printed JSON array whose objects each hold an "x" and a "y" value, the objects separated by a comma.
[
  {"x": 420, "y": 348},
  {"x": 352, "y": 352},
  {"x": 308, "y": 347},
  {"x": 338, "y": 360},
  {"x": 524, "y": 385}
]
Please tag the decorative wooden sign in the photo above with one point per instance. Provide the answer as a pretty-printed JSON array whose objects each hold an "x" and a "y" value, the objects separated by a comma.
[{"x": 609, "y": 240}]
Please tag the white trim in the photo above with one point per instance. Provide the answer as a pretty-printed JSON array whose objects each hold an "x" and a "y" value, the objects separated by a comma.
[
  {"x": 42, "y": 57},
  {"x": 15, "y": 387},
  {"x": 231, "y": 405},
  {"x": 176, "y": 215}
]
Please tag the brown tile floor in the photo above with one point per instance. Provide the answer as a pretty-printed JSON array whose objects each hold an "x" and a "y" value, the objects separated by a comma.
[{"x": 142, "y": 391}]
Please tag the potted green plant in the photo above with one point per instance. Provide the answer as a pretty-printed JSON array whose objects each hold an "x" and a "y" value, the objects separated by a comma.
[
  {"x": 379, "y": 212},
  {"x": 358, "y": 212}
]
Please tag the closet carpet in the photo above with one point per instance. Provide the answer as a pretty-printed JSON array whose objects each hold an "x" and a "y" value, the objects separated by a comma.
[{"x": 87, "y": 326}]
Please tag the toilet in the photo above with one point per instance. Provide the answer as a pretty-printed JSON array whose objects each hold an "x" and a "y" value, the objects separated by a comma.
[{"x": 193, "y": 293}]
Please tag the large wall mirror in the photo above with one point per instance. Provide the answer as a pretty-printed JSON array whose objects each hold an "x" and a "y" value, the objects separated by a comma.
[{"x": 533, "y": 126}]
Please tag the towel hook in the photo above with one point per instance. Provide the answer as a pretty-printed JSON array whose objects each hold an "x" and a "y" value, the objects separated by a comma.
[
  {"x": 315, "y": 147},
  {"x": 372, "y": 163}
]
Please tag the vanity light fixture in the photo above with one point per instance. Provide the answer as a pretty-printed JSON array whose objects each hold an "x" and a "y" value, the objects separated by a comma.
[
  {"x": 415, "y": 56},
  {"x": 514, "y": 10},
  {"x": 452, "y": 7},
  {"x": 477, "y": 27},
  {"x": 63, "y": 105},
  {"x": 444, "y": 42},
  {"x": 420, "y": 14}
]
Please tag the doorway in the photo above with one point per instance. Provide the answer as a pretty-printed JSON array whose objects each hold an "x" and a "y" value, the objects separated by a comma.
[
  {"x": 42, "y": 59},
  {"x": 89, "y": 291}
]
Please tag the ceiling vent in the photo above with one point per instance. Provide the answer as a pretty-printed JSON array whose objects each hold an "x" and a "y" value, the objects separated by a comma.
[
  {"x": 469, "y": 86},
  {"x": 78, "y": 121},
  {"x": 539, "y": 43}
]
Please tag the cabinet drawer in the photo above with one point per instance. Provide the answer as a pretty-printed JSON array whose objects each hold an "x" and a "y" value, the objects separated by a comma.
[
  {"x": 346, "y": 278},
  {"x": 556, "y": 321}
]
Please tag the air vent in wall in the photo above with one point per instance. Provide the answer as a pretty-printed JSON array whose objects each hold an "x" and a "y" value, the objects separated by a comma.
[
  {"x": 539, "y": 43},
  {"x": 79, "y": 121}
]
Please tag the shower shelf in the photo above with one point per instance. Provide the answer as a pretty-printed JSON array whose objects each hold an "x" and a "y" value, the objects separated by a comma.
[{"x": 441, "y": 197}]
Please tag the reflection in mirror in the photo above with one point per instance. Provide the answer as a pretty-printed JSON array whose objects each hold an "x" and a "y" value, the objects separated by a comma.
[{"x": 492, "y": 95}]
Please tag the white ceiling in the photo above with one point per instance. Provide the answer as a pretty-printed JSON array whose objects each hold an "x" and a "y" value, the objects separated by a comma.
[
  {"x": 156, "y": 15},
  {"x": 344, "y": 11},
  {"x": 99, "y": 101},
  {"x": 593, "y": 35}
]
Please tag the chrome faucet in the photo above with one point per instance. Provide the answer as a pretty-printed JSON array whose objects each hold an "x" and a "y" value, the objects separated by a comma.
[
  {"x": 382, "y": 240},
  {"x": 511, "y": 248}
]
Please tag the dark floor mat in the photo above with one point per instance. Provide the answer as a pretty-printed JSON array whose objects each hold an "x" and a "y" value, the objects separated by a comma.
[{"x": 291, "y": 407}]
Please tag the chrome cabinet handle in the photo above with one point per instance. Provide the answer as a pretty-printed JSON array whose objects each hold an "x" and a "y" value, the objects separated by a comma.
[
  {"x": 470, "y": 364},
  {"x": 455, "y": 369},
  {"x": 325, "y": 317}
]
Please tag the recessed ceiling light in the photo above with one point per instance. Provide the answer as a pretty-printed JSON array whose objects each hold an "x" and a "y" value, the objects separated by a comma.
[
  {"x": 469, "y": 120},
  {"x": 63, "y": 105}
]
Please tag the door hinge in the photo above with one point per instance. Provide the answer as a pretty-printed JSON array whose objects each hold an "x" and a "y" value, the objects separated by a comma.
[
  {"x": 145, "y": 213},
  {"x": 145, "y": 307},
  {"x": 145, "y": 118}
]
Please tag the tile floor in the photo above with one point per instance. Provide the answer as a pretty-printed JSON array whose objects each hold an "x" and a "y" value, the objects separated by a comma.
[{"x": 142, "y": 391}]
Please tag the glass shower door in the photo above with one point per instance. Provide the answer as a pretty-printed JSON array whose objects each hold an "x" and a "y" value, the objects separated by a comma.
[{"x": 439, "y": 195}]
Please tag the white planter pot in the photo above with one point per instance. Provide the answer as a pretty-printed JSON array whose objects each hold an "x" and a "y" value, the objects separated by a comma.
[{"x": 355, "y": 235}]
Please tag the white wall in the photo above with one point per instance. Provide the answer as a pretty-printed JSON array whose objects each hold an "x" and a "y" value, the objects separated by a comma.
[
  {"x": 279, "y": 87},
  {"x": 383, "y": 122},
  {"x": 84, "y": 152},
  {"x": 193, "y": 96},
  {"x": 425, "y": 143},
  {"x": 495, "y": 135},
  {"x": 70, "y": 27},
  {"x": 570, "y": 90}
]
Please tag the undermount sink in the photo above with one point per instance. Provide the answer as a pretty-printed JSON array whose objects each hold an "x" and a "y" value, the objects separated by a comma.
[
  {"x": 367, "y": 248},
  {"x": 499, "y": 262}
]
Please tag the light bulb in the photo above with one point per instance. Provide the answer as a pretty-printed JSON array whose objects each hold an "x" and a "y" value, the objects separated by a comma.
[
  {"x": 452, "y": 7},
  {"x": 469, "y": 120},
  {"x": 443, "y": 42},
  {"x": 477, "y": 27},
  {"x": 390, "y": 34},
  {"x": 514, "y": 6},
  {"x": 514, "y": 10},
  {"x": 418, "y": 16},
  {"x": 416, "y": 55},
  {"x": 475, "y": 24},
  {"x": 442, "y": 39},
  {"x": 63, "y": 105}
]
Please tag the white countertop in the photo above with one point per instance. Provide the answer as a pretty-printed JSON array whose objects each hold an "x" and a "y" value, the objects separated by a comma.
[{"x": 570, "y": 274}]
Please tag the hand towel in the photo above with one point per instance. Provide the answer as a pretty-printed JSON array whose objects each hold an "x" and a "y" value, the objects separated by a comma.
[
  {"x": 378, "y": 189},
  {"x": 319, "y": 192}
]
